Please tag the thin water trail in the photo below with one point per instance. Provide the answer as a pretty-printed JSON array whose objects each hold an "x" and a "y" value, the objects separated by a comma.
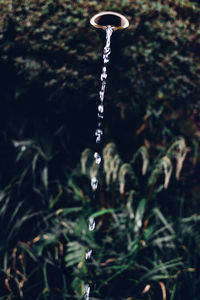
[{"x": 99, "y": 134}]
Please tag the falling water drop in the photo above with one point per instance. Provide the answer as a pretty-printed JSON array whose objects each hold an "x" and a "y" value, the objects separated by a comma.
[
  {"x": 103, "y": 87},
  {"x": 91, "y": 224},
  {"x": 99, "y": 124},
  {"x": 100, "y": 116},
  {"x": 94, "y": 183},
  {"x": 97, "y": 157},
  {"x": 98, "y": 134},
  {"x": 107, "y": 50},
  {"x": 88, "y": 254},
  {"x": 103, "y": 76},
  {"x": 101, "y": 95},
  {"x": 101, "y": 108},
  {"x": 98, "y": 139},
  {"x": 87, "y": 292}
]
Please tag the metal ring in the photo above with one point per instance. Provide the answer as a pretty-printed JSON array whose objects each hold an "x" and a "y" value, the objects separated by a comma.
[{"x": 105, "y": 18}]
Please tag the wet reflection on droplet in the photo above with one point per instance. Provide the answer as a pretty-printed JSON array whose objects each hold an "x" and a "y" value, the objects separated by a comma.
[{"x": 91, "y": 224}]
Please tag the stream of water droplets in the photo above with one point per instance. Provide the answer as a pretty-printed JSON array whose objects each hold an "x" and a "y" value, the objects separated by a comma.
[{"x": 99, "y": 134}]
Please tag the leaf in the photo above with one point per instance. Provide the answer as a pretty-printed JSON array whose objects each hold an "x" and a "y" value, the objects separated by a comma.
[
  {"x": 139, "y": 214},
  {"x": 158, "y": 213},
  {"x": 103, "y": 212},
  {"x": 160, "y": 271},
  {"x": 45, "y": 177},
  {"x": 29, "y": 251},
  {"x": 75, "y": 254},
  {"x": 55, "y": 199},
  {"x": 66, "y": 211}
]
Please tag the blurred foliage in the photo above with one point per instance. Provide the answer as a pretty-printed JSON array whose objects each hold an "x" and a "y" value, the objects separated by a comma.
[{"x": 146, "y": 245}]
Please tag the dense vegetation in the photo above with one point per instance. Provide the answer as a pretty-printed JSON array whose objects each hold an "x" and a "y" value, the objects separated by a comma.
[{"x": 147, "y": 241}]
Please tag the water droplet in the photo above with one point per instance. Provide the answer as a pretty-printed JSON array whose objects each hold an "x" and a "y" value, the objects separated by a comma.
[
  {"x": 100, "y": 116},
  {"x": 101, "y": 95},
  {"x": 101, "y": 108},
  {"x": 103, "y": 76},
  {"x": 16, "y": 144},
  {"x": 98, "y": 134},
  {"x": 91, "y": 224},
  {"x": 99, "y": 124},
  {"x": 105, "y": 59},
  {"x": 98, "y": 139},
  {"x": 88, "y": 254},
  {"x": 23, "y": 148},
  {"x": 87, "y": 292},
  {"x": 94, "y": 183},
  {"x": 97, "y": 157},
  {"x": 103, "y": 86},
  {"x": 106, "y": 51}
]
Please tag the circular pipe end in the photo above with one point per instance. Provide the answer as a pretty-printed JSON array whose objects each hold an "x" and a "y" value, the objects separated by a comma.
[{"x": 106, "y": 18}]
